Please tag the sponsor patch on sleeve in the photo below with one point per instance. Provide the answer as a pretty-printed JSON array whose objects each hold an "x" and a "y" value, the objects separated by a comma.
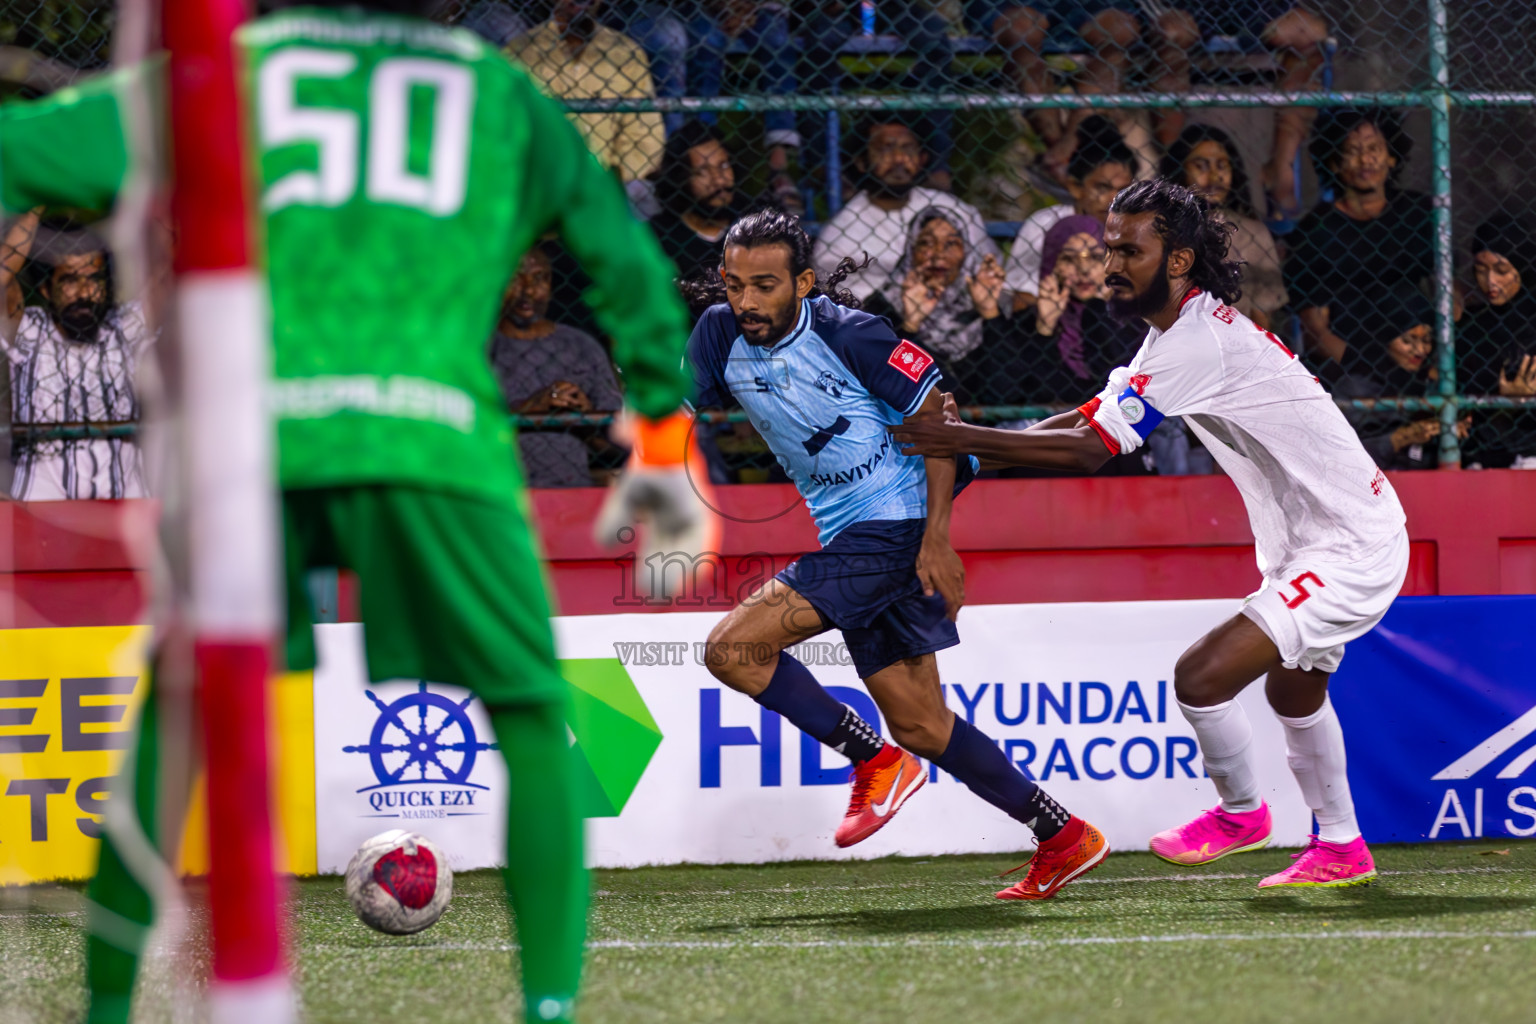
[
  {"x": 1138, "y": 413},
  {"x": 910, "y": 360}
]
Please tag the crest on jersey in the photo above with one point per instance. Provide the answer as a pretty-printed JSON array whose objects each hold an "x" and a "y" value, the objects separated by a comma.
[
  {"x": 831, "y": 383},
  {"x": 910, "y": 360},
  {"x": 1140, "y": 382}
]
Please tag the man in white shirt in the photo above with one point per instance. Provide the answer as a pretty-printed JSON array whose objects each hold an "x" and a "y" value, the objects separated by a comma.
[
  {"x": 1101, "y": 165},
  {"x": 72, "y": 361},
  {"x": 1328, "y": 527},
  {"x": 875, "y": 221}
]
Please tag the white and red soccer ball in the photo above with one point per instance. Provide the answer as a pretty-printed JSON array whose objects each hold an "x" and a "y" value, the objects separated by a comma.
[{"x": 399, "y": 882}]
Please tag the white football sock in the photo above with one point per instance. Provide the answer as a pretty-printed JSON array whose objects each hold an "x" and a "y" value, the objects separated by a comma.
[
  {"x": 1225, "y": 734},
  {"x": 1315, "y": 750}
]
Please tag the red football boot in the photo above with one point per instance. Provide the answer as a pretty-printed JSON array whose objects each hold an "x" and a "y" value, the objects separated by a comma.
[
  {"x": 1074, "y": 851},
  {"x": 880, "y": 786}
]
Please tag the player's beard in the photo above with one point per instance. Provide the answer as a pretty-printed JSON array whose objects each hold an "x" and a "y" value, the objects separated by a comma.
[
  {"x": 1142, "y": 304},
  {"x": 81, "y": 320},
  {"x": 777, "y": 326}
]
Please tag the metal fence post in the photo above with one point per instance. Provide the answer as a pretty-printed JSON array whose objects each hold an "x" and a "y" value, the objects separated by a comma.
[{"x": 1445, "y": 271}]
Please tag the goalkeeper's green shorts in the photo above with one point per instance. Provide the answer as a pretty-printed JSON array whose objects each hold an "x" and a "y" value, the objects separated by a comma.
[{"x": 451, "y": 589}]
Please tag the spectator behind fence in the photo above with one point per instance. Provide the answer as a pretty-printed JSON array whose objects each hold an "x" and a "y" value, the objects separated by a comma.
[
  {"x": 943, "y": 288},
  {"x": 1059, "y": 349},
  {"x": 573, "y": 57},
  {"x": 1102, "y": 164},
  {"x": 876, "y": 221},
  {"x": 1496, "y": 342},
  {"x": 1371, "y": 238},
  {"x": 687, "y": 40},
  {"x": 1165, "y": 36},
  {"x": 545, "y": 367},
  {"x": 1204, "y": 158},
  {"x": 1116, "y": 32},
  {"x": 696, "y": 188},
  {"x": 1389, "y": 355},
  {"x": 827, "y": 26},
  {"x": 1295, "y": 36},
  {"x": 72, "y": 360}
]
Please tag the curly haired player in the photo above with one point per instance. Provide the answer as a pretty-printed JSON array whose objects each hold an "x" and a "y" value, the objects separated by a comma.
[{"x": 1329, "y": 529}]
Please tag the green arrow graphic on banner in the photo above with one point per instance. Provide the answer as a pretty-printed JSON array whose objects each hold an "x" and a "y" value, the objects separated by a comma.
[{"x": 615, "y": 733}]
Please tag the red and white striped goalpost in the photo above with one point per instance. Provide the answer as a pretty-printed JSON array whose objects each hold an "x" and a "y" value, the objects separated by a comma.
[{"x": 221, "y": 316}]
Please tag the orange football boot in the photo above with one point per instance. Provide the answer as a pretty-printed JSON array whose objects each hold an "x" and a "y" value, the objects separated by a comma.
[
  {"x": 880, "y": 786},
  {"x": 1074, "y": 851}
]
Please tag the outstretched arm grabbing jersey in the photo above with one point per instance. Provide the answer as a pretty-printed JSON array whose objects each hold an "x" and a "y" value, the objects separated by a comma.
[{"x": 1065, "y": 441}]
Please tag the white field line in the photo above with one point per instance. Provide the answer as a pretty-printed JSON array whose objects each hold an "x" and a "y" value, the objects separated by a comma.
[
  {"x": 921, "y": 943},
  {"x": 993, "y": 882}
]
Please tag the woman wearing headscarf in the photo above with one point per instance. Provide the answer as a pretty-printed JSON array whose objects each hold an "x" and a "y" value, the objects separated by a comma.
[
  {"x": 1496, "y": 341},
  {"x": 1390, "y": 355},
  {"x": 1204, "y": 159},
  {"x": 940, "y": 288}
]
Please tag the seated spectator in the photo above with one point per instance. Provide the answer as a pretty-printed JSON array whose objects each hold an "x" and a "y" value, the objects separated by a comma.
[
  {"x": 73, "y": 360},
  {"x": 942, "y": 290},
  {"x": 826, "y": 26},
  {"x": 876, "y": 221},
  {"x": 1102, "y": 164},
  {"x": 1062, "y": 347},
  {"x": 1496, "y": 342},
  {"x": 1389, "y": 355},
  {"x": 1295, "y": 36},
  {"x": 1370, "y": 239},
  {"x": 545, "y": 367},
  {"x": 696, "y": 188},
  {"x": 498, "y": 22},
  {"x": 687, "y": 42},
  {"x": 575, "y": 58},
  {"x": 1059, "y": 350},
  {"x": 1117, "y": 31},
  {"x": 1204, "y": 158}
]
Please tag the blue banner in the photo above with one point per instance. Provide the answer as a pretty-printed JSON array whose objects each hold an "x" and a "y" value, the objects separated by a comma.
[{"x": 1438, "y": 705}]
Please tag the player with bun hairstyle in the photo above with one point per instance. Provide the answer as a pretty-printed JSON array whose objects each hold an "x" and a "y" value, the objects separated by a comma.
[{"x": 822, "y": 382}]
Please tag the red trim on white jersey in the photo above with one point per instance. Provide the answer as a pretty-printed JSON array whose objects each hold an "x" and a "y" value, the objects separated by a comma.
[
  {"x": 1089, "y": 409},
  {"x": 1193, "y": 291}
]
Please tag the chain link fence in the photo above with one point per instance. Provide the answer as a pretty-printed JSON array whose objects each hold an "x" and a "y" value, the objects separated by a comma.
[{"x": 1368, "y": 154}]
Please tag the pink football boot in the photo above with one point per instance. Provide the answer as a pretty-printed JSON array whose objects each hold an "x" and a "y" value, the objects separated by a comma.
[
  {"x": 1327, "y": 864},
  {"x": 1214, "y": 835}
]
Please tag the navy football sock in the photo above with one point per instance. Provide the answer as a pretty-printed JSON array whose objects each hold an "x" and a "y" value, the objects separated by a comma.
[
  {"x": 975, "y": 760},
  {"x": 794, "y": 693}
]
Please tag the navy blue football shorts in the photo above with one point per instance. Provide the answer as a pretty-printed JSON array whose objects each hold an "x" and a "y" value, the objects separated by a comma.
[{"x": 864, "y": 583}]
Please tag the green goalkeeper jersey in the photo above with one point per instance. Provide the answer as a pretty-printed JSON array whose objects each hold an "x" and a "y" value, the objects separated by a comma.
[{"x": 402, "y": 169}]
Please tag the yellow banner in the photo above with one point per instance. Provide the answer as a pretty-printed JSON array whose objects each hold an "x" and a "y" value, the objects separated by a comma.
[{"x": 69, "y": 700}]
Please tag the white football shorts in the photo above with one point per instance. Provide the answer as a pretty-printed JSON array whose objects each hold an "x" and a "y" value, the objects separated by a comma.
[{"x": 1311, "y": 608}]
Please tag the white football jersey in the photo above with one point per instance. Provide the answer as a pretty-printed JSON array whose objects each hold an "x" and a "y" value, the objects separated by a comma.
[
  {"x": 57, "y": 380},
  {"x": 1309, "y": 486}
]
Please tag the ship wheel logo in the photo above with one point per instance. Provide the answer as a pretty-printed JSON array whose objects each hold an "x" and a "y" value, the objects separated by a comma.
[{"x": 423, "y": 737}]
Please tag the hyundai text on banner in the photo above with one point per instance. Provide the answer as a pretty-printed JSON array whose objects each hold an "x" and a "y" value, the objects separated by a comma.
[{"x": 1080, "y": 696}]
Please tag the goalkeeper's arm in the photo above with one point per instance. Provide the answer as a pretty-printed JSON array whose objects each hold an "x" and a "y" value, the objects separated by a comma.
[
  {"x": 633, "y": 295},
  {"x": 636, "y": 303}
]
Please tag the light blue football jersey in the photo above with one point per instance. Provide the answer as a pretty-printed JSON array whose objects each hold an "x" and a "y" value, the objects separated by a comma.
[{"x": 822, "y": 398}]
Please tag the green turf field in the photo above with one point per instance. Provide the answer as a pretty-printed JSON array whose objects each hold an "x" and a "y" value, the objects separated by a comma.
[{"x": 1447, "y": 935}]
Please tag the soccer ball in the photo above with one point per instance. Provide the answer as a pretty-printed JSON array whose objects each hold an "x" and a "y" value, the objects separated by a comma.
[{"x": 399, "y": 882}]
